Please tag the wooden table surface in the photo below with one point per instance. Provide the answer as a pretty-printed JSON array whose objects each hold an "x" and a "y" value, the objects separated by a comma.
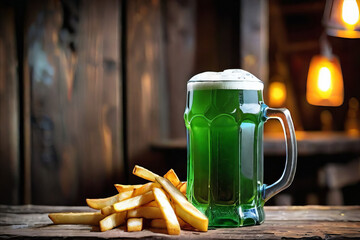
[{"x": 312, "y": 222}]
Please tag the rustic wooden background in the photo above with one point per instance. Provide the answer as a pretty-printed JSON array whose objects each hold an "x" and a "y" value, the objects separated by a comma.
[
  {"x": 90, "y": 88},
  {"x": 87, "y": 87}
]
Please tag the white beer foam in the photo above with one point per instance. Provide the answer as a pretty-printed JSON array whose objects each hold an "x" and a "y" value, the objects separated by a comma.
[{"x": 228, "y": 79}]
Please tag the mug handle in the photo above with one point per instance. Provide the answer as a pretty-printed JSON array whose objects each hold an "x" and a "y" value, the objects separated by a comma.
[{"x": 284, "y": 117}]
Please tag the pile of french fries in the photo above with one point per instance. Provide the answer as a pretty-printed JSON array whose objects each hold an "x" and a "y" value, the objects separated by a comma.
[{"x": 162, "y": 202}]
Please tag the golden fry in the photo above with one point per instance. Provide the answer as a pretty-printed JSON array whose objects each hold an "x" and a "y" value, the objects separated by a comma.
[
  {"x": 151, "y": 204},
  {"x": 128, "y": 204},
  {"x": 144, "y": 173},
  {"x": 182, "y": 187},
  {"x": 145, "y": 212},
  {"x": 172, "y": 223},
  {"x": 134, "y": 224},
  {"x": 145, "y": 188},
  {"x": 90, "y": 218},
  {"x": 184, "y": 209},
  {"x": 179, "y": 185},
  {"x": 184, "y": 225},
  {"x": 158, "y": 223},
  {"x": 100, "y": 203},
  {"x": 112, "y": 221},
  {"x": 172, "y": 177},
  {"x": 125, "y": 188}
]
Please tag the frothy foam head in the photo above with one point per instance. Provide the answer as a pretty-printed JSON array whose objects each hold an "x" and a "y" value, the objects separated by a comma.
[{"x": 228, "y": 79}]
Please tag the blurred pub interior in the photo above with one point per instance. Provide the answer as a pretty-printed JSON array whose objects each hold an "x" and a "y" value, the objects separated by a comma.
[{"x": 90, "y": 88}]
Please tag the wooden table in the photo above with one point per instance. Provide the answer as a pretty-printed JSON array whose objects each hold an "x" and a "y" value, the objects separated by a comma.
[{"x": 313, "y": 222}]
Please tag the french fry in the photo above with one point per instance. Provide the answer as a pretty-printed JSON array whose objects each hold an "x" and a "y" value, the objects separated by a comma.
[
  {"x": 144, "y": 173},
  {"x": 90, "y": 218},
  {"x": 151, "y": 204},
  {"x": 183, "y": 187},
  {"x": 179, "y": 185},
  {"x": 112, "y": 221},
  {"x": 134, "y": 224},
  {"x": 125, "y": 188},
  {"x": 184, "y": 209},
  {"x": 163, "y": 200},
  {"x": 128, "y": 204},
  {"x": 145, "y": 188},
  {"x": 145, "y": 212},
  {"x": 172, "y": 223},
  {"x": 170, "y": 189},
  {"x": 158, "y": 223},
  {"x": 172, "y": 177},
  {"x": 106, "y": 211},
  {"x": 100, "y": 203},
  {"x": 184, "y": 225}
]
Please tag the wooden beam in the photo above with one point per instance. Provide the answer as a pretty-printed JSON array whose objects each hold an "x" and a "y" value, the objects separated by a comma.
[
  {"x": 98, "y": 94},
  {"x": 144, "y": 76},
  {"x": 180, "y": 37},
  {"x": 254, "y": 37},
  {"x": 9, "y": 111}
]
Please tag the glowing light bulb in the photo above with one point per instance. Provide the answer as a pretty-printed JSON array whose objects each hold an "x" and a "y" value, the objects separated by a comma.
[
  {"x": 277, "y": 92},
  {"x": 324, "y": 82},
  {"x": 350, "y": 12}
]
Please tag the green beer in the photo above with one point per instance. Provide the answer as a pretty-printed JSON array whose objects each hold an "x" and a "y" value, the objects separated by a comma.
[
  {"x": 223, "y": 141},
  {"x": 224, "y": 122}
]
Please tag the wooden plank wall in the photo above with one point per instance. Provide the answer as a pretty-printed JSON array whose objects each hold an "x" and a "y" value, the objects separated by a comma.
[
  {"x": 100, "y": 97},
  {"x": 9, "y": 111},
  {"x": 160, "y": 60},
  {"x": 180, "y": 40},
  {"x": 217, "y": 35},
  {"x": 103, "y": 81},
  {"x": 76, "y": 113},
  {"x": 254, "y": 40},
  {"x": 144, "y": 76}
]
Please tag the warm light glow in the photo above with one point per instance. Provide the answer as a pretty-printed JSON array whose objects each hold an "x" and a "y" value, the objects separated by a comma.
[
  {"x": 325, "y": 82},
  {"x": 350, "y": 12},
  {"x": 342, "y": 18},
  {"x": 277, "y": 92}
]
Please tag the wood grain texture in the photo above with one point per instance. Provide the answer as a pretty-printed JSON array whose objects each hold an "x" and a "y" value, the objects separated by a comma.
[
  {"x": 254, "y": 37},
  {"x": 180, "y": 38},
  {"x": 310, "y": 222},
  {"x": 144, "y": 73},
  {"x": 48, "y": 83},
  {"x": 217, "y": 35},
  {"x": 76, "y": 108},
  {"x": 98, "y": 96},
  {"x": 9, "y": 111}
]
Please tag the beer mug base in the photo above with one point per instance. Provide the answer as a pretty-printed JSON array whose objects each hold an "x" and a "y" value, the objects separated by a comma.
[{"x": 235, "y": 216}]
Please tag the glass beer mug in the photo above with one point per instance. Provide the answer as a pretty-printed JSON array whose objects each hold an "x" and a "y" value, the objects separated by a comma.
[{"x": 224, "y": 118}]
